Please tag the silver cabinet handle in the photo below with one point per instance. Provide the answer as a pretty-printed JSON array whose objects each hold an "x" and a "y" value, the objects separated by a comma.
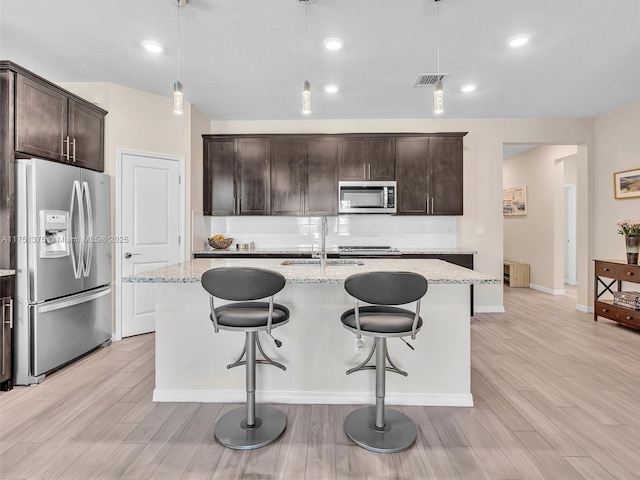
[
  {"x": 73, "y": 157},
  {"x": 364, "y": 171},
  {"x": 239, "y": 205},
  {"x": 129, "y": 254},
  {"x": 66, "y": 154},
  {"x": 369, "y": 165},
  {"x": 432, "y": 206}
]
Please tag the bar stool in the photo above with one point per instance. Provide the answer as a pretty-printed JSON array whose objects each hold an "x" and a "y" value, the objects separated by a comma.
[
  {"x": 380, "y": 429},
  {"x": 251, "y": 426}
]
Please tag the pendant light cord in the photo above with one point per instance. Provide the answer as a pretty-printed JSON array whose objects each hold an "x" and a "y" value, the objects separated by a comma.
[
  {"x": 438, "y": 37},
  {"x": 179, "y": 41},
  {"x": 306, "y": 40}
]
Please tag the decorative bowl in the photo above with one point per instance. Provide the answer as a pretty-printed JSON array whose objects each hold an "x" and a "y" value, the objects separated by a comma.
[{"x": 220, "y": 244}]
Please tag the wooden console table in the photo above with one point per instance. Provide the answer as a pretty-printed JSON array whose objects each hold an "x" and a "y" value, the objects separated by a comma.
[{"x": 609, "y": 275}]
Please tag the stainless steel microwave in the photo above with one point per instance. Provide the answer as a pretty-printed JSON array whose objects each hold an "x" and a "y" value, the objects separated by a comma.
[{"x": 367, "y": 197}]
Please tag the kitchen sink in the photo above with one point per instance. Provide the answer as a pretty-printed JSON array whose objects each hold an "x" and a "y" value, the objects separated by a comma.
[{"x": 316, "y": 261}]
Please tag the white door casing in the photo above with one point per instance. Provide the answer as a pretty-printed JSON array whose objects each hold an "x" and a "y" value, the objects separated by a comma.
[{"x": 151, "y": 225}]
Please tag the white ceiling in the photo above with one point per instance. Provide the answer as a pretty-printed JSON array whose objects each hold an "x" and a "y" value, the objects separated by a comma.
[{"x": 245, "y": 59}]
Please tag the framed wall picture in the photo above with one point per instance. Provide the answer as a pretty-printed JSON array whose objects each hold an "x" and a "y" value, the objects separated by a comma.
[
  {"x": 514, "y": 201},
  {"x": 626, "y": 184}
]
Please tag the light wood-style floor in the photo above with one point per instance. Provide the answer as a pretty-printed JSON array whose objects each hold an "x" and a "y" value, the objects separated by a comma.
[{"x": 556, "y": 397}]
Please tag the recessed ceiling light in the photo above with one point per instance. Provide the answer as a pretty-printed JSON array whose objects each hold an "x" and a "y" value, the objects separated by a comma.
[
  {"x": 151, "y": 46},
  {"x": 518, "y": 41},
  {"x": 469, "y": 88},
  {"x": 331, "y": 88},
  {"x": 333, "y": 43}
]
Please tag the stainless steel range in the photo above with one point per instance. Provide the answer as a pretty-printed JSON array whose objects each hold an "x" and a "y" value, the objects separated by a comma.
[{"x": 367, "y": 250}]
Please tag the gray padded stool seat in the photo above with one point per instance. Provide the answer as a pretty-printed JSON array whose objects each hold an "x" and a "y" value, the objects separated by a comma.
[
  {"x": 250, "y": 426},
  {"x": 380, "y": 429}
]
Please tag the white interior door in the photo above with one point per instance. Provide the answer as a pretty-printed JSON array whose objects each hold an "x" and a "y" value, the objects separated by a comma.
[{"x": 150, "y": 209}]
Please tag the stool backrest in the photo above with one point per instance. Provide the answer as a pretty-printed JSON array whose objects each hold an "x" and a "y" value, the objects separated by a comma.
[
  {"x": 386, "y": 288},
  {"x": 242, "y": 283}
]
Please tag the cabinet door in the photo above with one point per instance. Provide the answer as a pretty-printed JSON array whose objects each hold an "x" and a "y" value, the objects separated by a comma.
[
  {"x": 252, "y": 176},
  {"x": 380, "y": 158},
  {"x": 219, "y": 196},
  {"x": 6, "y": 311},
  {"x": 41, "y": 120},
  {"x": 287, "y": 176},
  {"x": 86, "y": 131},
  {"x": 445, "y": 175},
  {"x": 352, "y": 159},
  {"x": 322, "y": 176},
  {"x": 411, "y": 174}
]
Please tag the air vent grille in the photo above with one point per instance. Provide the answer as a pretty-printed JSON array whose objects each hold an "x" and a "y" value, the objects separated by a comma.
[{"x": 428, "y": 79}]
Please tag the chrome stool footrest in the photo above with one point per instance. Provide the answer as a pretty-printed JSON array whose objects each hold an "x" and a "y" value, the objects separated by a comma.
[
  {"x": 267, "y": 360},
  {"x": 363, "y": 366}
]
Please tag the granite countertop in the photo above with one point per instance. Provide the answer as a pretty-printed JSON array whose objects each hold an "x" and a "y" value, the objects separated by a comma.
[
  {"x": 306, "y": 250},
  {"x": 435, "y": 271},
  {"x": 7, "y": 273}
]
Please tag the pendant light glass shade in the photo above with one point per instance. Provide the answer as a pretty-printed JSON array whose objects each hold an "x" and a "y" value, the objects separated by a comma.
[
  {"x": 438, "y": 97},
  {"x": 306, "y": 98},
  {"x": 178, "y": 98}
]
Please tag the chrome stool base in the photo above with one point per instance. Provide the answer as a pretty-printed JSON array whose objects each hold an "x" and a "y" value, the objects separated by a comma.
[
  {"x": 232, "y": 432},
  {"x": 399, "y": 431}
]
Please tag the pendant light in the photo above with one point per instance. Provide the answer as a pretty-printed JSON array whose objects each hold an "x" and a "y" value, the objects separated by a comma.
[
  {"x": 306, "y": 88},
  {"x": 178, "y": 96},
  {"x": 438, "y": 91}
]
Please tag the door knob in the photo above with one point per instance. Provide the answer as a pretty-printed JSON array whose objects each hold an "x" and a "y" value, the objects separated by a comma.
[{"x": 129, "y": 254}]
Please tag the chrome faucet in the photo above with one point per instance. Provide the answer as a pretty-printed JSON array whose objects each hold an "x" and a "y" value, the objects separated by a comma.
[{"x": 323, "y": 242}]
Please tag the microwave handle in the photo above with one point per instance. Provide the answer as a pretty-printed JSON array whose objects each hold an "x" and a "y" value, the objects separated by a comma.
[{"x": 385, "y": 197}]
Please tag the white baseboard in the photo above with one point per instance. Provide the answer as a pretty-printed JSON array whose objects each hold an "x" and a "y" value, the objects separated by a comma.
[
  {"x": 540, "y": 288},
  {"x": 489, "y": 309},
  {"x": 584, "y": 308},
  {"x": 310, "y": 397}
]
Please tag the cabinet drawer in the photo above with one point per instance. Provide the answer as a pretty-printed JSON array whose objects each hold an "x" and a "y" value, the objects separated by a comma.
[
  {"x": 606, "y": 310},
  {"x": 629, "y": 273},
  {"x": 609, "y": 270},
  {"x": 628, "y": 317}
]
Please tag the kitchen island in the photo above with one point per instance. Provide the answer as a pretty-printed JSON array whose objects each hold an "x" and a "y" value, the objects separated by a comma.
[{"x": 191, "y": 359}]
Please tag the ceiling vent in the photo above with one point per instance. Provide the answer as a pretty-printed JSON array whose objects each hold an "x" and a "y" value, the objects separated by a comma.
[{"x": 428, "y": 79}]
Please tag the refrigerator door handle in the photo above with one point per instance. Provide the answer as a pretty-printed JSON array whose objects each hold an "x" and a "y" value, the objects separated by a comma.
[
  {"x": 77, "y": 300},
  {"x": 77, "y": 248},
  {"x": 88, "y": 238}
]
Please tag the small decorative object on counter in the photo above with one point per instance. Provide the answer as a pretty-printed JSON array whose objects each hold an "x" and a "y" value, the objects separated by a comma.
[
  {"x": 219, "y": 242},
  {"x": 631, "y": 231}
]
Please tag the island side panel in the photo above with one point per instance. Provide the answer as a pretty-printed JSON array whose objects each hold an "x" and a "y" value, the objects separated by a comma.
[{"x": 191, "y": 359}]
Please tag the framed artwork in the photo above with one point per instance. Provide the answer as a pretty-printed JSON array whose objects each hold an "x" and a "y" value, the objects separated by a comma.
[
  {"x": 514, "y": 201},
  {"x": 626, "y": 184}
]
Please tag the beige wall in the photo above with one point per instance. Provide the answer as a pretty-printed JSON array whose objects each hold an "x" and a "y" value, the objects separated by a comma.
[
  {"x": 617, "y": 149},
  {"x": 537, "y": 238},
  {"x": 482, "y": 174}
]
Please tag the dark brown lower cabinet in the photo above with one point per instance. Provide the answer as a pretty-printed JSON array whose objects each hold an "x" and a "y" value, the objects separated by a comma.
[{"x": 6, "y": 331}]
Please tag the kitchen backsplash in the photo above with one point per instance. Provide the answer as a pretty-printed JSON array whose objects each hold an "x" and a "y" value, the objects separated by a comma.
[{"x": 274, "y": 232}]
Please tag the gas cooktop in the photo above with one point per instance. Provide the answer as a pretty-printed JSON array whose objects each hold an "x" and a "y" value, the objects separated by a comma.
[{"x": 368, "y": 250}]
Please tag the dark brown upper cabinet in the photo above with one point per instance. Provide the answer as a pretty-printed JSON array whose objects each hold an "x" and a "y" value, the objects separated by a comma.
[
  {"x": 366, "y": 158},
  {"x": 52, "y": 124},
  {"x": 288, "y": 162},
  {"x": 411, "y": 175},
  {"x": 298, "y": 174},
  {"x": 322, "y": 176},
  {"x": 429, "y": 175},
  {"x": 236, "y": 176},
  {"x": 303, "y": 176}
]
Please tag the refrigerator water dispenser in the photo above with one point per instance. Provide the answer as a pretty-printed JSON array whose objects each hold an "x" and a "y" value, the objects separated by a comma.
[{"x": 54, "y": 233}]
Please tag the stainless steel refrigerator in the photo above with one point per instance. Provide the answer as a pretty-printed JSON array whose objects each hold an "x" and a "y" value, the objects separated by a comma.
[{"x": 63, "y": 258}]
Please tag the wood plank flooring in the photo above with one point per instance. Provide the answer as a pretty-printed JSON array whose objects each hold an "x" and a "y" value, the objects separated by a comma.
[{"x": 556, "y": 397}]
